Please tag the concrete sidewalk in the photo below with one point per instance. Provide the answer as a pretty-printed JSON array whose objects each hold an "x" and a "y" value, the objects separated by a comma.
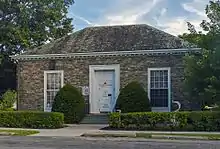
[
  {"x": 78, "y": 130},
  {"x": 69, "y": 131}
]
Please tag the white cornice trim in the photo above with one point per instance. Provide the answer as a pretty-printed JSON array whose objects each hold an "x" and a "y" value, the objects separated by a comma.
[{"x": 113, "y": 53}]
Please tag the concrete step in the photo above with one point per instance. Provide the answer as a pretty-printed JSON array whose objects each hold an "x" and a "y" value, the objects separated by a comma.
[{"x": 95, "y": 119}]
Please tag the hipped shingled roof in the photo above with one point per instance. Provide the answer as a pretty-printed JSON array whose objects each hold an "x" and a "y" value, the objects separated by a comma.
[{"x": 111, "y": 38}]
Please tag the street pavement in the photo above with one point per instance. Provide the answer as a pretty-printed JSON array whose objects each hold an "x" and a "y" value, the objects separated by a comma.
[{"x": 39, "y": 142}]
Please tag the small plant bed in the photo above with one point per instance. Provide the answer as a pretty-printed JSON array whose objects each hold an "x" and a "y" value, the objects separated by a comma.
[
  {"x": 172, "y": 136},
  {"x": 4, "y": 132}
]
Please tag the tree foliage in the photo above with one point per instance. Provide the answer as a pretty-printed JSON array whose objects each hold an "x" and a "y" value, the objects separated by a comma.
[
  {"x": 202, "y": 71},
  {"x": 30, "y": 23},
  {"x": 8, "y": 100}
]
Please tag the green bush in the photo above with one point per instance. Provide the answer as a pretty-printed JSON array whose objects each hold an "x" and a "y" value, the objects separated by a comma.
[
  {"x": 70, "y": 102},
  {"x": 31, "y": 119},
  {"x": 179, "y": 121},
  {"x": 133, "y": 98},
  {"x": 8, "y": 100}
]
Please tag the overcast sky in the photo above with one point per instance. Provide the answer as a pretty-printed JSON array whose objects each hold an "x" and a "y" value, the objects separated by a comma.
[{"x": 167, "y": 15}]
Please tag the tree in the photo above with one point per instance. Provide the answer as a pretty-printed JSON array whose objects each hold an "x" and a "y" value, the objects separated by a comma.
[
  {"x": 202, "y": 71},
  {"x": 30, "y": 23},
  {"x": 7, "y": 75}
]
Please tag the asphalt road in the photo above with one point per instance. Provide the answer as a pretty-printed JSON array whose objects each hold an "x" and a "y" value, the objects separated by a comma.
[{"x": 78, "y": 143}]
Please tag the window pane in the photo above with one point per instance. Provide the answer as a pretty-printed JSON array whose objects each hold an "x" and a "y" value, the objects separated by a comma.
[
  {"x": 166, "y": 85},
  {"x": 48, "y": 81},
  {"x": 157, "y": 78},
  {"x": 49, "y": 98},
  {"x": 161, "y": 78},
  {"x": 156, "y": 84},
  {"x": 161, "y": 84},
  {"x": 58, "y": 82},
  {"x": 157, "y": 73},
  {"x": 159, "y": 97},
  {"x": 165, "y": 75},
  {"x": 165, "y": 72},
  {"x": 152, "y": 84}
]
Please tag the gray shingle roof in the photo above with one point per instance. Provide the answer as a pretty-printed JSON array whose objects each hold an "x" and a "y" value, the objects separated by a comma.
[{"x": 112, "y": 38}]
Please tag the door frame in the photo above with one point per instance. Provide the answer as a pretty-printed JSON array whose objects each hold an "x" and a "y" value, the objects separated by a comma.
[
  {"x": 160, "y": 109},
  {"x": 92, "y": 69}
]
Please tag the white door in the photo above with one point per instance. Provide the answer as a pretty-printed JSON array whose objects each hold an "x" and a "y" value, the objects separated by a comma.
[{"x": 104, "y": 91}]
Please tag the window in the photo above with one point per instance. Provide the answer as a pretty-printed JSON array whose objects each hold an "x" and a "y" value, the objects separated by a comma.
[
  {"x": 53, "y": 81},
  {"x": 158, "y": 87}
]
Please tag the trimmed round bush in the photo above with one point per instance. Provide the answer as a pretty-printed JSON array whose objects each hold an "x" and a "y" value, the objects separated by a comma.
[
  {"x": 70, "y": 102},
  {"x": 133, "y": 98}
]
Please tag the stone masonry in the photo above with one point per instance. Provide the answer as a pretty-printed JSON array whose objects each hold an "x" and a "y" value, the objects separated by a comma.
[{"x": 76, "y": 72}]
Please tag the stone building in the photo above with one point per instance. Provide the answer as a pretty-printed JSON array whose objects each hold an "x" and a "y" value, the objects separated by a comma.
[{"x": 100, "y": 61}]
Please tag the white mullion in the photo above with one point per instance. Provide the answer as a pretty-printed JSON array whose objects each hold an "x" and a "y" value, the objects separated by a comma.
[{"x": 54, "y": 78}]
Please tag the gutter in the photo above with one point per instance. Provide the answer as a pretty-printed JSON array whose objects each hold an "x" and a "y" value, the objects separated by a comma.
[{"x": 112, "y": 53}]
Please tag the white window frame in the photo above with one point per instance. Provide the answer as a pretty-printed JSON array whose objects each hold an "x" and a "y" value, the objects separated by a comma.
[
  {"x": 45, "y": 84},
  {"x": 169, "y": 86}
]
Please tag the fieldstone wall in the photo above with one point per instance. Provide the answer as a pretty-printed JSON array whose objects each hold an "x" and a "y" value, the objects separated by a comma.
[{"x": 76, "y": 72}]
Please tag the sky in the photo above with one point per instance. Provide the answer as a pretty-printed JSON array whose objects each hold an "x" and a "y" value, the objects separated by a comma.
[{"x": 168, "y": 15}]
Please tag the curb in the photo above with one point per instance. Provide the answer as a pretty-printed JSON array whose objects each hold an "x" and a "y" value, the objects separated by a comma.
[
  {"x": 109, "y": 135},
  {"x": 146, "y": 137},
  {"x": 172, "y": 137}
]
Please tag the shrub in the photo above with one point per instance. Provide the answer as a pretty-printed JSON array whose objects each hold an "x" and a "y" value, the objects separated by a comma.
[
  {"x": 180, "y": 121},
  {"x": 8, "y": 100},
  {"x": 70, "y": 102},
  {"x": 133, "y": 98},
  {"x": 31, "y": 119}
]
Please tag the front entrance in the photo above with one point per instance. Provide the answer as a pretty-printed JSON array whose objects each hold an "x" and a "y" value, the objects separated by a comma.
[{"x": 104, "y": 89}]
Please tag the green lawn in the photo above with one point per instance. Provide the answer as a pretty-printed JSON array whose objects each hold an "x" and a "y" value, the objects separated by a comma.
[{"x": 18, "y": 132}]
